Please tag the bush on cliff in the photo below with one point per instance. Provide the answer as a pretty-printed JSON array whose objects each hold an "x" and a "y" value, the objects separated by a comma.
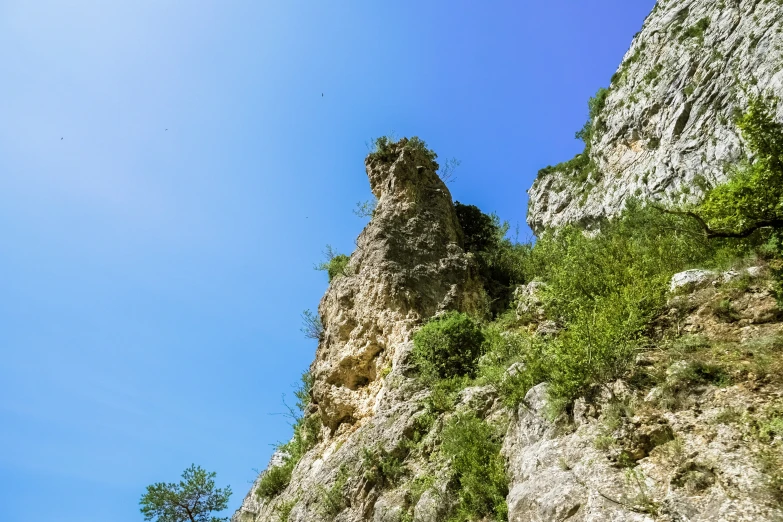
[
  {"x": 473, "y": 448},
  {"x": 448, "y": 346},
  {"x": 605, "y": 290},
  {"x": 335, "y": 264},
  {"x": 500, "y": 260},
  {"x": 306, "y": 432}
]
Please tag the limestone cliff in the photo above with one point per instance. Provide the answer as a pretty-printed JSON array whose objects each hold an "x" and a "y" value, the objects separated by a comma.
[
  {"x": 408, "y": 266},
  {"x": 687, "y": 448},
  {"x": 693, "y": 432},
  {"x": 666, "y": 127}
]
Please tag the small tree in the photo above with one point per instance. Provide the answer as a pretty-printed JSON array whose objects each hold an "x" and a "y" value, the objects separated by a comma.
[{"x": 192, "y": 500}]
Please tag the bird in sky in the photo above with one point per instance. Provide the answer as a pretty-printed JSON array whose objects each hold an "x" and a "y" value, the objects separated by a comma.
[
  {"x": 61, "y": 139},
  {"x": 322, "y": 95},
  {"x": 166, "y": 129}
]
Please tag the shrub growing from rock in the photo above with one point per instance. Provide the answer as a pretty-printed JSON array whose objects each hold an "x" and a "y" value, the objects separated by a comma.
[
  {"x": 473, "y": 448},
  {"x": 448, "y": 346}
]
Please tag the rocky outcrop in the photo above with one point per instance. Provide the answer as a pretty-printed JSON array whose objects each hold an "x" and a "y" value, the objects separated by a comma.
[
  {"x": 666, "y": 130},
  {"x": 680, "y": 439},
  {"x": 408, "y": 266},
  {"x": 693, "y": 433}
]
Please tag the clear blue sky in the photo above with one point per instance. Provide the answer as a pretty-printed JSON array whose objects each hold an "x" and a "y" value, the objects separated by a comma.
[{"x": 151, "y": 280}]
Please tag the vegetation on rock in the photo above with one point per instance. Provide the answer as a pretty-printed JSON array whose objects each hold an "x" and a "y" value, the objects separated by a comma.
[
  {"x": 473, "y": 448},
  {"x": 335, "y": 264},
  {"x": 448, "y": 346},
  {"x": 306, "y": 431}
]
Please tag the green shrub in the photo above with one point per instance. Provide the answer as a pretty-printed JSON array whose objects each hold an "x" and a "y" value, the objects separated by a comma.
[
  {"x": 605, "y": 290},
  {"x": 335, "y": 264},
  {"x": 697, "y": 30},
  {"x": 595, "y": 106},
  {"x": 448, "y": 346},
  {"x": 582, "y": 166},
  {"x": 275, "y": 480},
  {"x": 312, "y": 327},
  {"x": 753, "y": 196},
  {"x": 500, "y": 260},
  {"x": 306, "y": 432},
  {"x": 473, "y": 448},
  {"x": 284, "y": 509},
  {"x": 385, "y": 147},
  {"x": 332, "y": 499},
  {"x": 381, "y": 468}
]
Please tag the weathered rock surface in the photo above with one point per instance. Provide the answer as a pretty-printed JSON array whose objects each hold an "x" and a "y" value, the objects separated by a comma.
[
  {"x": 667, "y": 128},
  {"x": 682, "y": 449},
  {"x": 408, "y": 266}
]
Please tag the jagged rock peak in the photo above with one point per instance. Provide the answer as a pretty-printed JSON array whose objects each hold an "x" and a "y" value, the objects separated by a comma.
[
  {"x": 666, "y": 129},
  {"x": 409, "y": 265}
]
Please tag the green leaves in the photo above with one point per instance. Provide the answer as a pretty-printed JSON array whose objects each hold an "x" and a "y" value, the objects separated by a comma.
[
  {"x": 193, "y": 499},
  {"x": 753, "y": 197},
  {"x": 605, "y": 289},
  {"x": 448, "y": 346},
  {"x": 473, "y": 448}
]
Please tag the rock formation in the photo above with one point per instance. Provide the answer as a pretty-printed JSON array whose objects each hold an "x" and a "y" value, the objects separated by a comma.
[
  {"x": 666, "y": 130},
  {"x": 408, "y": 266},
  {"x": 689, "y": 448}
]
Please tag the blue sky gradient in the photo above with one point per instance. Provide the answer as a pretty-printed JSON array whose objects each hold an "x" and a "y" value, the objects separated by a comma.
[{"x": 152, "y": 280}]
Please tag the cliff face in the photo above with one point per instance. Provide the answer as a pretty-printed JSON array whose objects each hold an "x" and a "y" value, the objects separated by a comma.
[
  {"x": 687, "y": 444},
  {"x": 634, "y": 452},
  {"x": 408, "y": 266},
  {"x": 666, "y": 128}
]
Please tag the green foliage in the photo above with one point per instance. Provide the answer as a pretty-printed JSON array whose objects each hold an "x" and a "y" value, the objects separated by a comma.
[
  {"x": 754, "y": 194},
  {"x": 335, "y": 264},
  {"x": 381, "y": 468},
  {"x": 311, "y": 325},
  {"x": 504, "y": 349},
  {"x": 193, "y": 499},
  {"x": 284, "y": 509},
  {"x": 473, "y": 448},
  {"x": 448, "y": 346},
  {"x": 386, "y": 149},
  {"x": 697, "y": 30},
  {"x": 582, "y": 166},
  {"x": 500, "y": 260},
  {"x": 275, "y": 480},
  {"x": 366, "y": 209},
  {"x": 332, "y": 500},
  {"x": 605, "y": 290},
  {"x": 595, "y": 106},
  {"x": 306, "y": 432}
]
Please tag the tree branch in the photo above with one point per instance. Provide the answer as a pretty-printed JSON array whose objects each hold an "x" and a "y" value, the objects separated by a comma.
[{"x": 712, "y": 233}]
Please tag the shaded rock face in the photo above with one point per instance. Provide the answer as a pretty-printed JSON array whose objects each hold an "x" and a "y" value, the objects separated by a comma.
[
  {"x": 409, "y": 265},
  {"x": 667, "y": 126}
]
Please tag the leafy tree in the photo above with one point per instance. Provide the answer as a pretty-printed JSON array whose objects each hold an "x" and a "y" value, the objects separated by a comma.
[
  {"x": 192, "y": 500},
  {"x": 753, "y": 198}
]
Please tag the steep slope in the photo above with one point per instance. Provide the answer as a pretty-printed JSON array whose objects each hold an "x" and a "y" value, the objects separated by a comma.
[
  {"x": 693, "y": 431},
  {"x": 408, "y": 265},
  {"x": 689, "y": 426},
  {"x": 665, "y": 128}
]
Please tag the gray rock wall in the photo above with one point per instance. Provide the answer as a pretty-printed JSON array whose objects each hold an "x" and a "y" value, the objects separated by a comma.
[{"x": 667, "y": 128}]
